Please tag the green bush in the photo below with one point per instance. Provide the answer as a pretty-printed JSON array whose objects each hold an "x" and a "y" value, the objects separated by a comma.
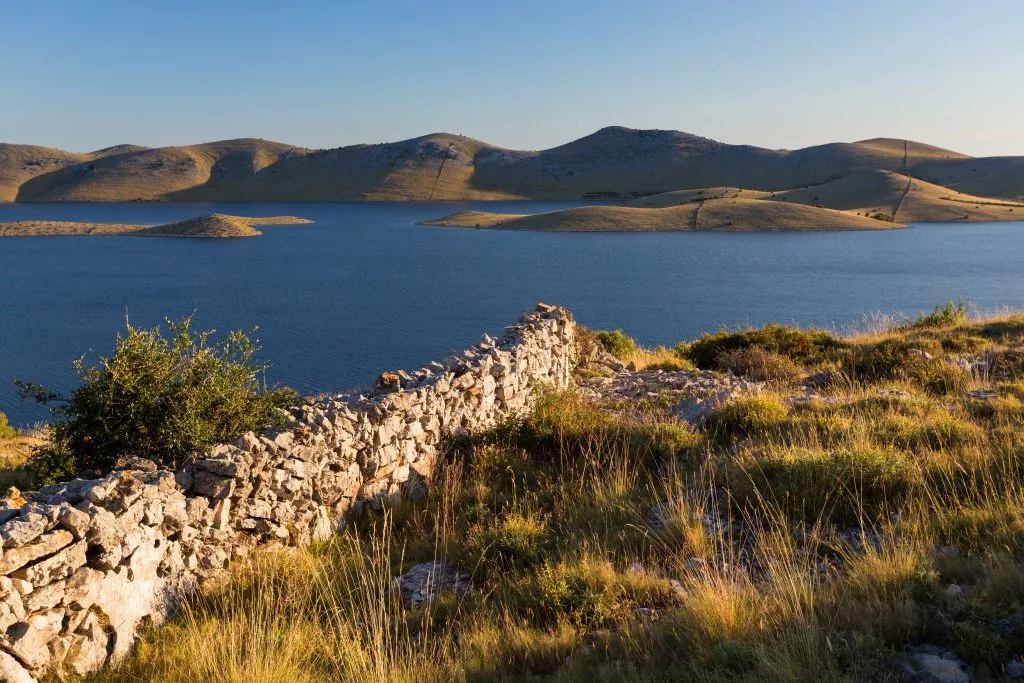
[
  {"x": 615, "y": 342},
  {"x": 748, "y": 415},
  {"x": 6, "y": 430},
  {"x": 573, "y": 594},
  {"x": 514, "y": 542},
  {"x": 158, "y": 398},
  {"x": 797, "y": 345},
  {"x": 947, "y": 315}
]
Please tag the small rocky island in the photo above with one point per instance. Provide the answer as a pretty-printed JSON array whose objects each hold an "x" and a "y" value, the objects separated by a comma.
[{"x": 214, "y": 225}]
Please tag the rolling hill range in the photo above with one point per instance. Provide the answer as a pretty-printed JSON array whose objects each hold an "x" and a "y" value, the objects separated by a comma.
[{"x": 613, "y": 163}]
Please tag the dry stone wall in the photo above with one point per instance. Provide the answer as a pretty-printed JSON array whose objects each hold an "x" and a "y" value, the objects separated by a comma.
[{"x": 86, "y": 563}]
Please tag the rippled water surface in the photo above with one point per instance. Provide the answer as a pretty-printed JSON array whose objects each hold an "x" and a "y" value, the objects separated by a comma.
[{"x": 365, "y": 289}]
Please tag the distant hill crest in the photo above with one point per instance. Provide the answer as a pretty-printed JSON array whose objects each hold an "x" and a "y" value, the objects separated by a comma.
[{"x": 614, "y": 162}]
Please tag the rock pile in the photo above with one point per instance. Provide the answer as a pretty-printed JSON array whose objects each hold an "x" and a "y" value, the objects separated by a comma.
[
  {"x": 694, "y": 393},
  {"x": 85, "y": 563},
  {"x": 426, "y": 580}
]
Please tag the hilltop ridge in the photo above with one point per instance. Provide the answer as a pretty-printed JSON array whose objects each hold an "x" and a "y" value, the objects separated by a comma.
[{"x": 612, "y": 163}]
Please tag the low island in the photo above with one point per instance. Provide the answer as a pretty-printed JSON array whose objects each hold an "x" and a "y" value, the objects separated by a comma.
[
  {"x": 215, "y": 225},
  {"x": 863, "y": 200},
  {"x": 737, "y": 215}
]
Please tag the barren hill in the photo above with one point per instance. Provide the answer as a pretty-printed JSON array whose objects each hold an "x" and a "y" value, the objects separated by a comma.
[{"x": 612, "y": 163}]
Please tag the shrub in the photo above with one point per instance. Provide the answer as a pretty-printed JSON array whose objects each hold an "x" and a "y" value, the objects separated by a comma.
[
  {"x": 748, "y": 415},
  {"x": 795, "y": 344},
  {"x": 615, "y": 342},
  {"x": 759, "y": 365},
  {"x": 888, "y": 359},
  {"x": 159, "y": 398},
  {"x": 6, "y": 430},
  {"x": 946, "y": 315},
  {"x": 516, "y": 541},
  {"x": 575, "y": 594}
]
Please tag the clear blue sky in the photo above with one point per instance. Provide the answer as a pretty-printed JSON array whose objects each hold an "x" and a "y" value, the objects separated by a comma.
[{"x": 81, "y": 75}]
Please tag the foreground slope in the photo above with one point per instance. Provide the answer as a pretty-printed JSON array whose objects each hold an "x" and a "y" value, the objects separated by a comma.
[
  {"x": 833, "y": 509},
  {"x": 612, "y": 163}
]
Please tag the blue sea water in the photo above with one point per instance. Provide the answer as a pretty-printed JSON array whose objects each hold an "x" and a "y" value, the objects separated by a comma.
[{"x": 364, "y": 289}]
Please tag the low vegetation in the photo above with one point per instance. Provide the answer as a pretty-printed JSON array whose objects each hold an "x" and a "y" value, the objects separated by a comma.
[
  {"x": 803, "y": 346},
  {"x": 159, "y": 396},
  {"x": 815, "y": 539},
  {"x": 16, "y": 450},
  {"x": 6, "y": 430},
  {"x": 625, "y": 349}
]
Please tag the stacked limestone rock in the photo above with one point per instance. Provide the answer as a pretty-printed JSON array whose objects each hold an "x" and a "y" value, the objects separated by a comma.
[{"x": 84, "y": 563}]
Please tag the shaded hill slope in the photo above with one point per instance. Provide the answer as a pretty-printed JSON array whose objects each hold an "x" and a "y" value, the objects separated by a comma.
[{"x": 868, "y": 192}]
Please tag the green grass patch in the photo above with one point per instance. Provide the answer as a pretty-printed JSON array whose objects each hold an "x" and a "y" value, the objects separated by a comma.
[
  {"x": 615, "y": 342},
  {"x": 749, "y": 415},
  {"x": 841, "y": 484}
]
